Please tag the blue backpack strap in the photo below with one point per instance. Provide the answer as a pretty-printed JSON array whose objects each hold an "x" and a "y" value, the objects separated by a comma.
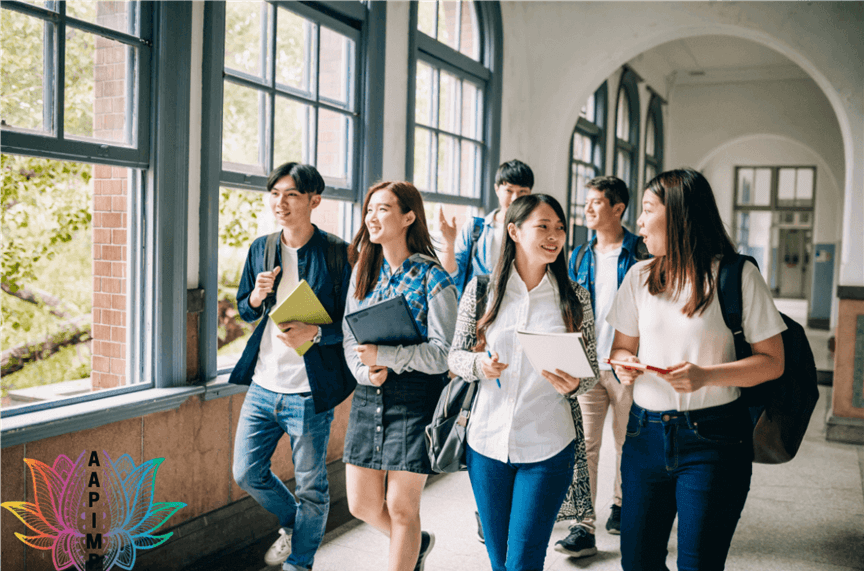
[
  {"x": 270, "y": 248},
  {"x": 476, "y": 230}
]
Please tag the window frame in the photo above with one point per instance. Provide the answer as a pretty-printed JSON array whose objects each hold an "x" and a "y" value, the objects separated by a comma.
[
  {"x": 368, "y": 20},
  {"x": 160, "y": 286},
  {"x": 596, "y": 130},
  {"x": 654, "y": 117},
  {"x": 486, "y": 72},
  {"x": 629, "y": 87},
  {"x": 53, "y": 143}
]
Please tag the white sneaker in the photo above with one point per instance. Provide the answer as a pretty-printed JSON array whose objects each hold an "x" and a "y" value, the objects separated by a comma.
[{"x": 280, "y": 550}]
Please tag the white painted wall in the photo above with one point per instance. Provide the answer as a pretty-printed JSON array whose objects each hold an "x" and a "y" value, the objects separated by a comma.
[{"x": 557, "y": 53}]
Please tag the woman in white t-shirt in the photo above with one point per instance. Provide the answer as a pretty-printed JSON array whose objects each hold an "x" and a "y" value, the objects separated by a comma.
[
  {"x": 689, "y": 438},
  {"x": 525, "y": 430}
]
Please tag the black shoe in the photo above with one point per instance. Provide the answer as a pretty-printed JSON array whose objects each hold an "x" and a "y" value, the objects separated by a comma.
[
  {"x": 613, "y": 524},
  {"x": 579, "y": 543},
  {"x": 480, "y": 537},
  {"x": 427, "y": 542}
]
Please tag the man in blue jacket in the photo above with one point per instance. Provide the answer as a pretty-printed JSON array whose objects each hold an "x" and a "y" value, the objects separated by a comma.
[
  {"x": 478, "y": 246},
  {"x": 599, "y": 266},
  {"x": 290, "y": 394}
]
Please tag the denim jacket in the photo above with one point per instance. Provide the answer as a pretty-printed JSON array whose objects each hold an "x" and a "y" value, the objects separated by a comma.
[
  {"x": 483, "y": 262},
  {"x": 329, "y": 377},
  {"x": 584, "y": 274}
]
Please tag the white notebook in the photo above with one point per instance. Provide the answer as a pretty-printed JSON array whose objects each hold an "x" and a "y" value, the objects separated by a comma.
[{"x": 550, "y": 351}]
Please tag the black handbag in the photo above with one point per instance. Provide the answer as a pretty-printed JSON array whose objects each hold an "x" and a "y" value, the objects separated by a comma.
[{"x": 445, "y": 436}]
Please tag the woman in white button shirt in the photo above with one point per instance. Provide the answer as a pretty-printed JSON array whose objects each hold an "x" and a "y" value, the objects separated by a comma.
[
  {"x": 689, "y": 447},
  {"x": 523, "y": 435}
]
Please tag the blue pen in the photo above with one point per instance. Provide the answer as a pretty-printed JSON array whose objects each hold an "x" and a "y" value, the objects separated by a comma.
[{"x": 496, "y": 380}]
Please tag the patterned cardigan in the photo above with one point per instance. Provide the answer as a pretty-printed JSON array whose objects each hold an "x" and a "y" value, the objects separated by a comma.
[{"x": 464, "y": 362}]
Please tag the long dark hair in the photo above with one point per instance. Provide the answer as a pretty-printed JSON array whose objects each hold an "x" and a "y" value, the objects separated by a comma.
[
  {"x": 368, "y": 257},
  {"x": 571, "y": 309},
  {"x": 695, "y": 236}
]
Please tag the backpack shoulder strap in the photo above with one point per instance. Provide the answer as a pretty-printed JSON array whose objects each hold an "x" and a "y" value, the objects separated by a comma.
[
  {"x": 581, "y": 255},
  {"x": 476, "y": 230},
  {"x": 641, "y": 252},
  {"x": 482, "y": 289},
  {"x": 270, "y": 248},
  {"x": 334, "y": 257},
  {"x": 730, "y": 295}
]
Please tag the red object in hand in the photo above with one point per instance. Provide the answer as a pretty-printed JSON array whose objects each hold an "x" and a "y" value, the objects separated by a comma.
[{"x": 638, "y": 366}]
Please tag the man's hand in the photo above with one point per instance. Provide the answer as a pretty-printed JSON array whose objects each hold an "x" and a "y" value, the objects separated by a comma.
[
  {"x": 377, "y": 375},
  {"x": 448, "y": 230},
  {"x": 563, "y": 383},
  {"x": 368, "y": 354},
  {"x": 296, "y": 333},
  {"x": 263, "y": 286}
]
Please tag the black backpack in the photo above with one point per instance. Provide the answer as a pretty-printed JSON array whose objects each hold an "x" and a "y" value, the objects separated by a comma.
[
  {"x": 781, "y": 408},
  {"x": 334, "y": 257}
]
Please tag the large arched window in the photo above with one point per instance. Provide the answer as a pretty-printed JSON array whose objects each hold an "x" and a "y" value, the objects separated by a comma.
[
  {"x": 627, "y": 137},
  {"x": 654, "y": 138},
  {"x": 587, "y": 154},
  {"x": 454, "y": 102}
]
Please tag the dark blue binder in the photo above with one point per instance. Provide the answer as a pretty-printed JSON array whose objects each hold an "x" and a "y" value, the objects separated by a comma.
[{"x": 388, "y": 322}]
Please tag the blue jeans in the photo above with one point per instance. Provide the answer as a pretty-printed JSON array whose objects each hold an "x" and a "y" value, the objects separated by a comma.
[
  {"x": 265, "y": 416},
  {"x": 696, "y": 464},
  {"x": 518, "y": 504}
]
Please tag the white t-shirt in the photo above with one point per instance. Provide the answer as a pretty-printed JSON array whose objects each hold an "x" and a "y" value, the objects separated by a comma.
[
  {"x": 667, "y": 336},
  {"x": 279, "y": 368},
  {"x": 605, "y": 287}
]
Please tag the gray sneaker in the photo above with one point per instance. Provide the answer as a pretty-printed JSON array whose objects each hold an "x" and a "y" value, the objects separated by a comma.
[{"x": 280, "y": 550}]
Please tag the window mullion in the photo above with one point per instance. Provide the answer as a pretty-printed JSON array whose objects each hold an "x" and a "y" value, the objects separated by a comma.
[
  {"x": 270, "y": 151},
  {"x": 60, "y": 74},
  {"x": 49, "y": 63}
]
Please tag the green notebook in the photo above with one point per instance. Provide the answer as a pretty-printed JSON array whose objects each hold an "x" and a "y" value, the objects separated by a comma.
[{"x": 301, "y": 305}]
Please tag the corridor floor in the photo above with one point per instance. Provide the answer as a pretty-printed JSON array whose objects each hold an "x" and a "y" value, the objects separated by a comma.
[{"x": 807, "y": 515}]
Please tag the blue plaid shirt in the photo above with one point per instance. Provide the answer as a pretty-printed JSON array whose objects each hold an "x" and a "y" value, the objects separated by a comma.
[{"x": 419, "y": 279}]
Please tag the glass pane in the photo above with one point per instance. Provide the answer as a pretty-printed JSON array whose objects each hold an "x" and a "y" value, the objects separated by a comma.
[
  {"x": 745, "y": 186},
  {"x": 65, "y": 258},
  {"x": 116, "y": 15},
  {"x": 423, "y": 95},
  {"x": 422, "y": 146},
  {"x": 295, "y": 50},
  {"x": 447, "y": 149},
  {"x": 623, "y": 166},
  {"x": 96, "y": 86},
  {"x": 246, "y": 37},
  {"x": 472, "y": 110},
  {"x": 786, "y": 187},
  {"x": 804, "y": 188},
  {"x": 649, "y": 136},
  {"x": 23, "y": 67},
  {"x": 243, "y": 216},
  {"x": 426, "y": 18},
  {"x": 469, "y": 170},
  {"x": 469, "y": 36},
  {"x": 588, "y": 109},
  {"x": 448, "y": 14},
  {"x": 241, "y": 127},
  {"x": 292, "y": 136},
  {"x": 622, "y": 124},
  {"x": 763, "y": 187},
  {"x": 335, "y": 140},
  {"x": 587, "y": 149},
  {"x": 650, "y": 172},
  {"x": 578, "y": 139},
  {"x": 448, "y": 102},
  {"x": 337, "y": 67},
  {"x": 753, "y": 238}
]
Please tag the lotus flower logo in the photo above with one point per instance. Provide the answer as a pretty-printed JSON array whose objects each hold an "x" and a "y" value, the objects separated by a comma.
[{"x": 93, "y": 509}]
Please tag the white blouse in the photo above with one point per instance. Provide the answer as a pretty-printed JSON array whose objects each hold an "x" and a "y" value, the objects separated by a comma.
[
  {"x": 667, "y": 336},
  {"x": 526, "y": 419}
]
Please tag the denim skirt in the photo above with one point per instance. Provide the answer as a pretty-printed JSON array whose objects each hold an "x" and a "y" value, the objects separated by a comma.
[{"x": 386, "y": 427}]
